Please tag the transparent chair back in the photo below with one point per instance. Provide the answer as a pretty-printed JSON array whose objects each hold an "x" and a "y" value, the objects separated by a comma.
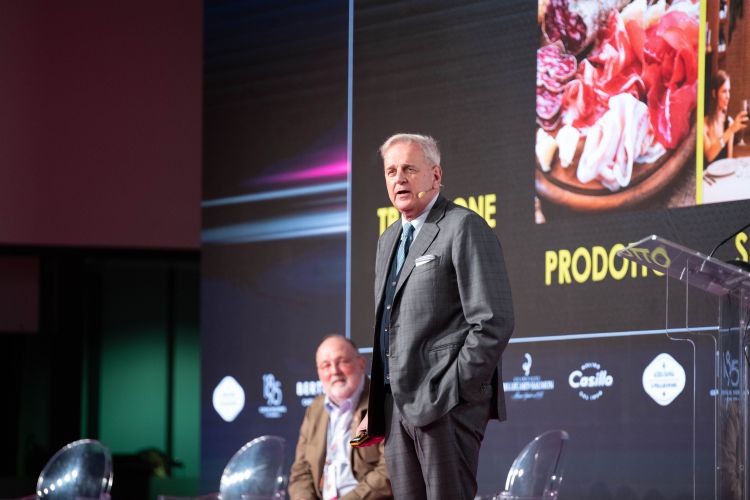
[
  {"x": 536, "y": 472},
  {"x": 255, "y": 472},
  {"x": 81, "y": 470}
]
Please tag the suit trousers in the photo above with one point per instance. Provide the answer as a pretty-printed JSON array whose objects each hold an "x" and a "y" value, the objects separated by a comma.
[{"x": 438, "y": 461}]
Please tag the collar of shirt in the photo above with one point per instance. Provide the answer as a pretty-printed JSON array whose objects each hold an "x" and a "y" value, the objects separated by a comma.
[
  {"x": 346, "y": 405},
  {"x": 419, "y": 221}
]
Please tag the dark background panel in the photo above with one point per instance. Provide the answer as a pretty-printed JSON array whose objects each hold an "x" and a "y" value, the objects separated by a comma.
[
  {"x": 274, "y": 212},
  {"x": 265, "y": 316}
]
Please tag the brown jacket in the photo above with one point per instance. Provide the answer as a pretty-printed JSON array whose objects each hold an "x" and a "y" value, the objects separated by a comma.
[{"x": 368, "y": 464}]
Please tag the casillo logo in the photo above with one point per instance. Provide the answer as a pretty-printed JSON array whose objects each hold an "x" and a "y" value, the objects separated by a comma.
[{"x": 590, "y": 381}]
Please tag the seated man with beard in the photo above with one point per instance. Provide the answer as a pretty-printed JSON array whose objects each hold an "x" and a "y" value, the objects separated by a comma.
[{"x": 325, "y": 466}]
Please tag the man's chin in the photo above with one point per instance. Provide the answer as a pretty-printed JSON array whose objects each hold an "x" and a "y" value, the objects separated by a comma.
[
  {"x": 405, "y": 206},
  {"x": 342, "y": 393}
]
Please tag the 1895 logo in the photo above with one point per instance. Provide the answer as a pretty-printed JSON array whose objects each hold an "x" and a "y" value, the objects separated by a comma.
[{"x": 274, "y": 396}]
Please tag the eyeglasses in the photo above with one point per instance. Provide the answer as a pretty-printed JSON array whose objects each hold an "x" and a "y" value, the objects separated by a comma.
[{"x": 327, "y": 365}]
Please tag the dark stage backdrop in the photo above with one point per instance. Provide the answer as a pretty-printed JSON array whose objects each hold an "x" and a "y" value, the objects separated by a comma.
[
  {"x": 590, "y": 345},
  {"x": 274, "y": 215}
]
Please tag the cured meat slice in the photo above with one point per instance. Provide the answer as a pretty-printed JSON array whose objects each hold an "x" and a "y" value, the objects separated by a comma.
[
  {"x": 553, "y": 61},
  {"x": 670, "y": 74},
  {"x": 621, "y": 136},
  {"x": 583, "y": 101},
  {"x": 611, "y": 69},
  {"x": 543, "y": 79},
  {"x": 550, "y": 124},
  {"x": 548, "y": 103},
  {"x": 577, "y": 22},
  {"x": 617, "y": 68}
]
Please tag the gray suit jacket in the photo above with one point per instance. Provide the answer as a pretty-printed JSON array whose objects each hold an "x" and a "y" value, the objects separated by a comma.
[{"x": 451, "y": 318}]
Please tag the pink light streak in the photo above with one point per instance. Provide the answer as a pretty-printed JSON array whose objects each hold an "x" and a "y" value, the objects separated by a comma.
[{"x": 337, "y": 169}]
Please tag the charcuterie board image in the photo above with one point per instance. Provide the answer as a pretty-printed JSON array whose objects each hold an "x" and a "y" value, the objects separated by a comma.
[{"x": 616, "y": 92}]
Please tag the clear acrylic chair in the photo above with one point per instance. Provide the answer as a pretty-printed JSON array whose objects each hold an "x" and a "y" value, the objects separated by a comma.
[
  {"x": 536, "y": 472},
  {"x": 255, "y": 472},
  {"x": 80, "y": 470}
]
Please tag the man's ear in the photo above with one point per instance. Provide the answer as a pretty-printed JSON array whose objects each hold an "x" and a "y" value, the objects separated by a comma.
[{"x": 437, "y": 173}]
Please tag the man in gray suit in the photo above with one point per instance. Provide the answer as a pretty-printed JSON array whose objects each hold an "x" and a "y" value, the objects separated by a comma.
[{"x": 443, "y": 318}]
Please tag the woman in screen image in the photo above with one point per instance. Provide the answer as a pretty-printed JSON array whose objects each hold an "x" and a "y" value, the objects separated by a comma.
[{"x": 719, "y": 129}]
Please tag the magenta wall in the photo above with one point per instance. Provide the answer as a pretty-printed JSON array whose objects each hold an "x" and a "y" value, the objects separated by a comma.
[{"x": 100, "y": 123}]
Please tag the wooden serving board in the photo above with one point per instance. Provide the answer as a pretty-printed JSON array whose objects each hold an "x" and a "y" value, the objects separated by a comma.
[{"x": 561, "y": 186}]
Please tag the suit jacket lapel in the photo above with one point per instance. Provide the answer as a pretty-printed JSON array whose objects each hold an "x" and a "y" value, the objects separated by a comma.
[
  {"x": 318, "y": 445},
  {"x": 424, "y": 239}
]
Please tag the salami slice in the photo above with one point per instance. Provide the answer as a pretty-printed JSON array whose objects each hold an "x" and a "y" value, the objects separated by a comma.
[
  {"x": 576, "y": 22},
  {"x": 548, "y": 104},
  {"x": 555, "y": 61},
  {"x": 549, "y": 125}
]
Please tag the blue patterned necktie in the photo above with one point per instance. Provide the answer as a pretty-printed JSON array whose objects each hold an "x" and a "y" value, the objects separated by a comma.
[{"x": 403, "y": 248}]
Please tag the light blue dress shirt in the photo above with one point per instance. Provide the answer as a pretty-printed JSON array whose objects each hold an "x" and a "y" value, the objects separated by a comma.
[{"x": 338, "y": 477}]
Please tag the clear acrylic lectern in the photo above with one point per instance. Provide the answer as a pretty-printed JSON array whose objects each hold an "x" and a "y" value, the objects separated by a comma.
[{"x": 732, "y": 287}]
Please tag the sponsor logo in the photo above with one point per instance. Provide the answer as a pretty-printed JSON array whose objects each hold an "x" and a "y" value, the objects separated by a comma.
[
  {"x": 274, "y": 396},
  {"x": 730, "y": 376},
  {"x": 228, "y": 398},
  {"x": 528, "y": 386},
  {"x": 307, "y": 390},
  {"x": 590, "y": 381},
  {"x": 731, "y": 370},
  {"x": 664, "y": 379},
  {"x": 526, "y": 366}
]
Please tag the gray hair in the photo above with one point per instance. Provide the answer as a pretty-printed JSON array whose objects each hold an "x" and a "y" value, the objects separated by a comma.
[
  {"x": 340, "y": 337},
  {"x": 428, "y": 144}
]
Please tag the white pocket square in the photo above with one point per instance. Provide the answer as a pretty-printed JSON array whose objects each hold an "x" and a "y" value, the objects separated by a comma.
[{"x": 424, "y": 260}]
